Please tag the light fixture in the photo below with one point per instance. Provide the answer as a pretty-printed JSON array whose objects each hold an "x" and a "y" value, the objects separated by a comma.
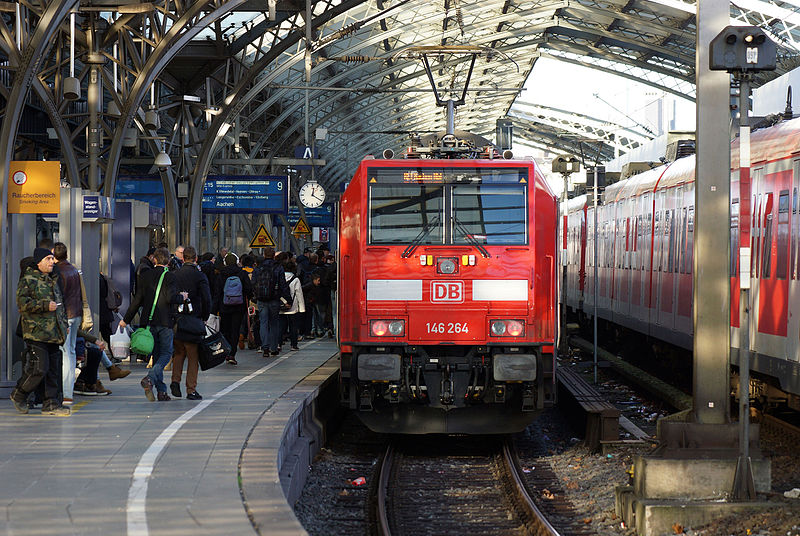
[
  {"x": 129, "y": 138},
  {"x": 72, "y": 86},
  {"x": 151, "y": 120},
  {"x": 162, "y": 159},
  {"x": 113, "y": 109}
]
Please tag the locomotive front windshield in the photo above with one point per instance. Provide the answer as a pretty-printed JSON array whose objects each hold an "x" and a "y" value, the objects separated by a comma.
[{"x": 443, "y": 206}]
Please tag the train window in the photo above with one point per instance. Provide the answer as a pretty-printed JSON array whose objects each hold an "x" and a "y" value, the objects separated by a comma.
[
  {"x": 734, "y": 237},
  {"x": 684, "y": 230},
  {"x": 782, "y": 257},
  {"x": 657, "y": 243},
  {"x": 400, "y": 213},
  {"x": 489, "y": 214},
  {"x": 755, "y": 235},
  {"x": 766, "y": 244},
  {"x": 669, "y": 227}
]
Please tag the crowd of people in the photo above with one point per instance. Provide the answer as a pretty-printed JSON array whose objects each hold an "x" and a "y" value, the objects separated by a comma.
[{"x": 262, "y": 301}]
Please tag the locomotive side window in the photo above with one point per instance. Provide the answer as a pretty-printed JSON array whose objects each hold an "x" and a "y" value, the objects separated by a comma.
[
  {"x": 489, "y": 214},
  {"x": 782, "y": 266},
  {"x": 400, "y": 213}
]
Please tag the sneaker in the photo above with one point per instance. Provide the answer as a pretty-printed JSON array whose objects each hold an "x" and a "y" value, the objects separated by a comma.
[
  {"x": 22, "y": 407},
  {"x": 148, "y": 388},
  {"x": 294, "y": 348},
  {"x": 81, "y": 388},
  {"x": 115, "y": 373},
  {"x": 100, "y": 390},
  {"x": 273, "y": 354},
  {"x": 265, "y": 352},
  {"x": 67, "y": 401},
  {"x": 231, "y": 361},
  {"x": 194, "y": 395},
  {"x": 175, "y": 387},
  {"x": 163, "y": 397},
  {"x": 58, "y": 411}
]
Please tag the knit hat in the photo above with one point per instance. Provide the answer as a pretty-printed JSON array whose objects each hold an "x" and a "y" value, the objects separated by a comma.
[{"x": 39, "y": 254}]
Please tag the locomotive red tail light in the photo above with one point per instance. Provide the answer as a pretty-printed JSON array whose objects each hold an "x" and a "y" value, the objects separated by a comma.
[
  {"x": 391, "y": 328},
  {"x": 507, "y": 328}
]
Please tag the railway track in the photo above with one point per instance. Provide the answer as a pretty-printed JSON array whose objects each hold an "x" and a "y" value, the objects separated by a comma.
[{"x": 475, "y": 488}]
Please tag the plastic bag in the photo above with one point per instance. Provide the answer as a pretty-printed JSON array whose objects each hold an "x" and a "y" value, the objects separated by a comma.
[
  {"x": 213, "y": 322},
  {"x": 120, "y": 344}
]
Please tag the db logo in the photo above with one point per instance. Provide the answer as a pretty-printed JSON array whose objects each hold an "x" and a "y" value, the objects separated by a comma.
[{"x": 447, "y": 291}]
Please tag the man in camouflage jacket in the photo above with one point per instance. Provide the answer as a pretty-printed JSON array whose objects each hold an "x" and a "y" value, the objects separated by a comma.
[{"x": 44, "y": 328}]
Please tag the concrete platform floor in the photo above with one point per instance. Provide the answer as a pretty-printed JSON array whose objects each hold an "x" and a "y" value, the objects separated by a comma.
[{"x": 120, "y": 465}]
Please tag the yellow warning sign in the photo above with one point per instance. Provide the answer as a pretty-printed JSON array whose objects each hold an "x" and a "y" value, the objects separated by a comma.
[
  {"x": 372, "y": 180},
  {"x": 301, "y": 227},
  {"x": 262, "y": 239},
  {"x": 522, "y": 180}
]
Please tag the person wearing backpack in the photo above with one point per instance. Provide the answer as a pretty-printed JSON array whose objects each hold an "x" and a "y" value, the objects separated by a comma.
[{"x": 233, "y": 292}]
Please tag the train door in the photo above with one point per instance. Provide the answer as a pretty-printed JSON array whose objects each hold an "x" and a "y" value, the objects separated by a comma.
[
  {"x": 620, "y": 297},
  {"x": 773, "y": 284},
  {"x": 655, "y": 272},
  {"x": 683, "y": 319},
  {"x": 590, "y": 282},
  {"x": 666, "y": 311}
]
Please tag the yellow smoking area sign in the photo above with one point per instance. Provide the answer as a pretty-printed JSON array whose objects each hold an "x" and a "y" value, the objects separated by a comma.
[
  {"x": 34, "y": 187},
  {"x": 262, "y": 239},
  {"x": 301, "y": 227}
]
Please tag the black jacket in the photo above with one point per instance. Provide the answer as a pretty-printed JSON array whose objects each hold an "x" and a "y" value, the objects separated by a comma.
[
  {"x": 247, "y": 288},
  {"x": 189, "y": 278},
  {"x": 168, "y": 298},
  {"x": 145, "y": 265}
]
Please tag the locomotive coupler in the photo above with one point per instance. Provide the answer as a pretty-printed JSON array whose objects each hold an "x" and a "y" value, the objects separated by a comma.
[
  {"x": 446, "y": 387},
  {"x": 365, "y": 397},
  {"x": 528, "y": 398}
]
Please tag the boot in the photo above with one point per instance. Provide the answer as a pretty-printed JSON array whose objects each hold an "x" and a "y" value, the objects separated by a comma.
[
  {"x": 115, "y": 373},
  {"x": 100, "y": 390}
]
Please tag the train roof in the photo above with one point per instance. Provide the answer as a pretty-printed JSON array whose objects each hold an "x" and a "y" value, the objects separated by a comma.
[{"x": 772, "y": 143}]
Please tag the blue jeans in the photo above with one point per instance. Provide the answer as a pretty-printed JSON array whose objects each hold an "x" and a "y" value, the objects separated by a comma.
[
  {"x": 274, "y": 321},
  {"x": 263, "y": 325},
  {"x": 68, "y": 361},
  {"x": 162, "y": 352}
]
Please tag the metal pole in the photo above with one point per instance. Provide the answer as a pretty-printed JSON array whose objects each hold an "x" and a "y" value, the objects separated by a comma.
[
  {"x": 594, "y": 252},
  {"x": 744, "y": 487},
  {"x": 562, "y": 335}
]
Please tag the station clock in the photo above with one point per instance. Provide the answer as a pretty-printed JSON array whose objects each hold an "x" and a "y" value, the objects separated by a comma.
[{"x": 312, "y": 195}]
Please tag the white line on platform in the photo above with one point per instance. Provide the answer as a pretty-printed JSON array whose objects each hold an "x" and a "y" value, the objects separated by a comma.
[{"x": 137, "y": 493}]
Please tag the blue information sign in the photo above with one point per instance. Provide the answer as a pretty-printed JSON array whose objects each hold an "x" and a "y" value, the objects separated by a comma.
[
  {"x": 245, "y": 194},
  {"x": 315, "y": 217},
  {"x": 146, "y": 188}
]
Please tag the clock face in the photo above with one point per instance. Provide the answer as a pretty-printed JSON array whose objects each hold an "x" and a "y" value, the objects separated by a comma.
[{"x": 312, "y": 194}]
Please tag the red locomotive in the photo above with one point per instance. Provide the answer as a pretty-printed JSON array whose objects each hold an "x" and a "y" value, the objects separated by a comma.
[
  {"x": 645, "y": 244},
  {"x": 447, "y": 294}
]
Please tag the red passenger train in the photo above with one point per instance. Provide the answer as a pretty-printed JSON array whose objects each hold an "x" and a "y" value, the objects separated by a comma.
[
  {"x": 447, "y": 294},
  {"x": 645, "y": 245}
]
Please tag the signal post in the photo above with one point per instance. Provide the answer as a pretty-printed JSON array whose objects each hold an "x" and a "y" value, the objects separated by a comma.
[{"x": 706, "y": 466}]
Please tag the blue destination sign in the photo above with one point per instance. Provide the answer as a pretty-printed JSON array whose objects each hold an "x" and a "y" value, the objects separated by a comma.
[
  {"x": 97, "y": 208},
  {"x": 315, "y": 217},
  {"x": 246, "y": 194}
]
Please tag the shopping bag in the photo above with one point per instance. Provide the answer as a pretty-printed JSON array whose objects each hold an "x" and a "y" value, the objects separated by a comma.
[
  {"x": 142, "y": 341},
  {"x": 120, "y": 344},
  {"x": 189, "y": 328},
  {"x": 213, "y": 322},
  {"x": 213, "y": 350}
]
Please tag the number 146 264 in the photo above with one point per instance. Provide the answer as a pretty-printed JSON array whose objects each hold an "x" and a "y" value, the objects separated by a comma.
[{"x": 447, "y": 327}]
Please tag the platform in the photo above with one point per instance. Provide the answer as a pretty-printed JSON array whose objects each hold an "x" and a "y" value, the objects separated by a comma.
[{"x": 122, "y": 465}]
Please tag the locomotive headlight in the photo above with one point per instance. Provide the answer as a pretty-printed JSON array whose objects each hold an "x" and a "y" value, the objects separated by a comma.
[
  {"x": 507, "y": 328},
  {"x": 391, "y": 328},
  {"x": 396, "y": 328},
  {"x": 498, "y": 328},
  {"x": 379, "y": 328},
  {"x": 447, "y": 266}
]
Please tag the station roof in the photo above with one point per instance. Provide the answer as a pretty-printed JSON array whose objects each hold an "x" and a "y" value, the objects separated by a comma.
[{"x": 369, "y": 93}]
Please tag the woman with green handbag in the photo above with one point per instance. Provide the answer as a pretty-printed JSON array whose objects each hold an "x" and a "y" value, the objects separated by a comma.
[{"x": 156, "y": 296}]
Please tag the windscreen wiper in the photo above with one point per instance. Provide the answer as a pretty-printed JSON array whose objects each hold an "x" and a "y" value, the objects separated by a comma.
[
  {"x": 469, "y": 238},
  {"x": 424, "y": 232}
]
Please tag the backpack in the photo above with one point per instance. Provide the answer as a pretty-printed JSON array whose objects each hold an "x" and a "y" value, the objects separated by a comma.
[
  {"x": 113, "y": 296},
  {"x": 264, "y": 282},
  {"x": 232, "y": 293}
]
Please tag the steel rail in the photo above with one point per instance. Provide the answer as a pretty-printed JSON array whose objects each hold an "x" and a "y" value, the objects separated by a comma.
[
  {"x": 540, "y": 525},
  {"x": 383, "y": 486}
]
